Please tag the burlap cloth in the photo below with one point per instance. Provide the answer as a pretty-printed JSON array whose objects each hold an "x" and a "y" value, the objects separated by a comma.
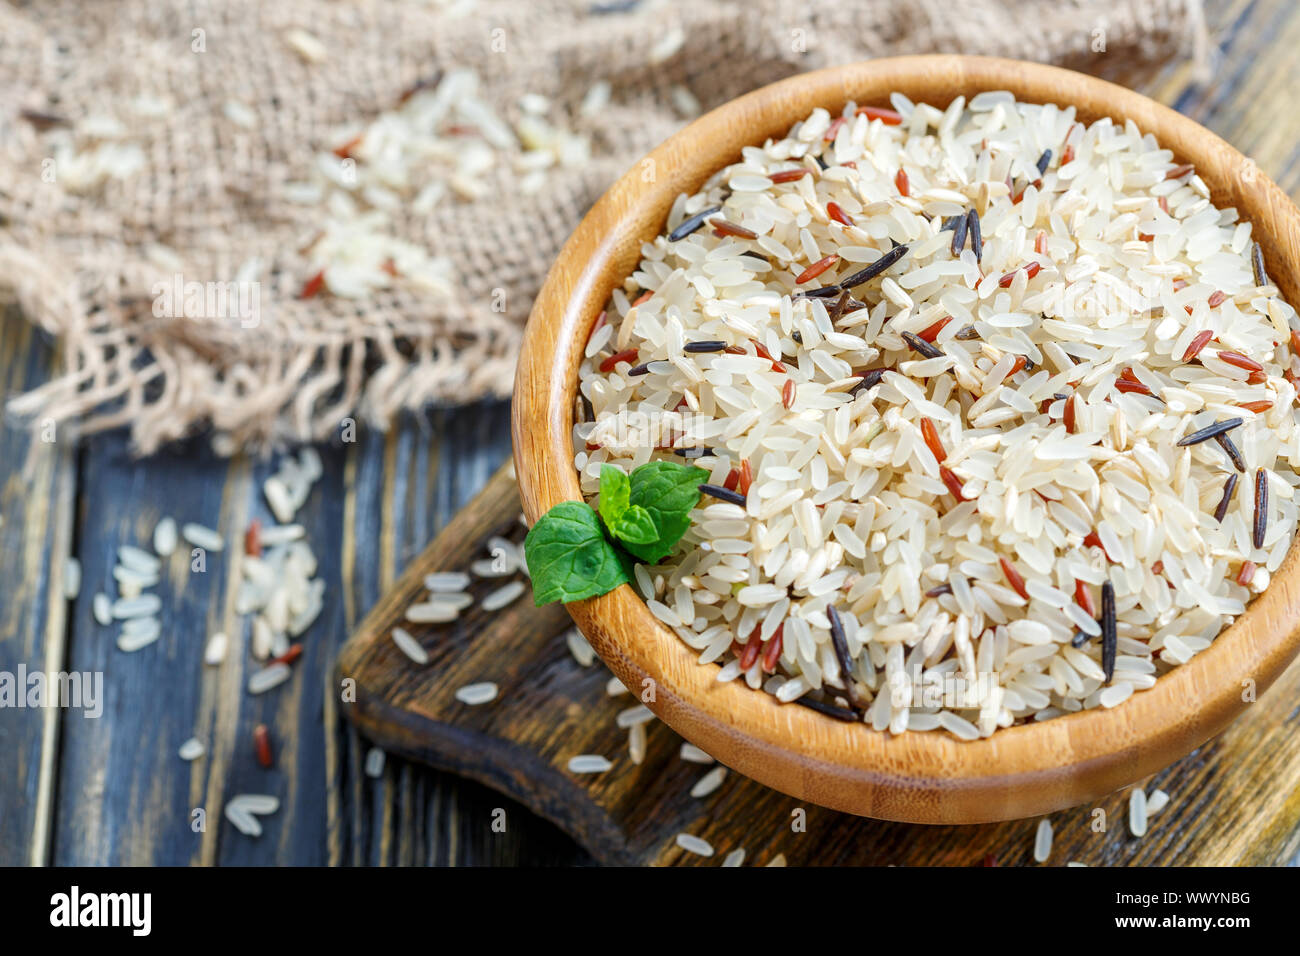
[{"x": 212, "y": 190}]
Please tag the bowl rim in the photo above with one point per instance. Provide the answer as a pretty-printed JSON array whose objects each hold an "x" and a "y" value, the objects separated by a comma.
[{"x": 1019, "y": 771}]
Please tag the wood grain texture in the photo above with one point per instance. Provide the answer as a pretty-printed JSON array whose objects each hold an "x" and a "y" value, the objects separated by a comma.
[
  {"x": 37, "y": 481},
  {"x": 125, "y": 795},
  {"x": 923, "y": 778}
]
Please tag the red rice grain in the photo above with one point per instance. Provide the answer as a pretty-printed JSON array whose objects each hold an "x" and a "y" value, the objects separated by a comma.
[
  {"x": 932, "y": 440},
  {"x": 839, "y": 215},
  {"x": 886, "y": 116},
  {"x": 789, "y": 175},
  {"x": 627, "y": 355},
  {"x": 262, "y": 744},
  {"x": 312, "y": 285},
  {"x": 955, "y": 485},
  {"x": 816, "y": 269},
  {"x": 1201, "y": 339},
  {"x": 1013, "y": 578},
  {"x": 1246, "y": 574},
  {"x": 724, "y": 228}
]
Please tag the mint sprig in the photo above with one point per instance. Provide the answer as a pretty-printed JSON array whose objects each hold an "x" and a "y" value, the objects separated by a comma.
[
  {"x": 573, "y": 553},
  {"x": 629, "y": 523},
  {"x": 668, "y": 492},
  {"x": 569, "y": 557}
]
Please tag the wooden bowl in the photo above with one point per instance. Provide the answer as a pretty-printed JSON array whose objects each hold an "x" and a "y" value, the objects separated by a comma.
[{"x": 918, "y": 777}]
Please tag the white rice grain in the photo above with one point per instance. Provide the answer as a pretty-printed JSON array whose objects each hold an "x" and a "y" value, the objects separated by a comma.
[
  {"x": 409, "y": 646},
  {"x": 447, "y": 581},
  {"x": 504, "y": 595},
  {"x": 102, "y": 608},
  {"x": 1043, "y": 841},
  {"x": 693, "y": 754},
  {"x": 191, "y": 750},
  {"x": 71, "y": 578},
  {"x": 268, "y": 678},
  {"x": 472, "y": 695},
  {"x": 693, "y": 844},
  {"x": 710, "y": 782},
  {"x": 589, "y": 763},
  {"x": 1137, "y": 812},
  {"x": 165, "y": 536},
  {"x": 202, "y": 537}
]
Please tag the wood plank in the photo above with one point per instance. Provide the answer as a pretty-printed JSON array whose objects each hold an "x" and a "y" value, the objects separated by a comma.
[
  {"x": 37, "y": 481},
  {"x": 128, "y": 796},
  {"x": 404, "y": 487}
]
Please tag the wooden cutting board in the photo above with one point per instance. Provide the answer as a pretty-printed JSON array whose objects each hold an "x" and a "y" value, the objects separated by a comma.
[{"x": 1234, "y": 801}]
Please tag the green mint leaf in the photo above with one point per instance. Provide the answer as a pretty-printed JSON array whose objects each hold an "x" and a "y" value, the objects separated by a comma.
[
  {"x": 635, "y": 526},
  {"x": 668, "y": 491},
  {"x": 614, "y": 491},
  {"x": 569, "y": 558}
]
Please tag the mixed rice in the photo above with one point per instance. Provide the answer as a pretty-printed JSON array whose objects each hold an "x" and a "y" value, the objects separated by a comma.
[{"x": 997, "y": 407}]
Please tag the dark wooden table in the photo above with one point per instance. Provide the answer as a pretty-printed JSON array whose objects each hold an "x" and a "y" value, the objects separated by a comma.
[{"x": 112, "y": 790}]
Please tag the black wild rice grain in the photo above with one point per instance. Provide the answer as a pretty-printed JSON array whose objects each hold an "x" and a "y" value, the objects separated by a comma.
[
  {"x": 690, "y": 225},
  {"x": 756, "y": 255},
  {"x": 1043, "y": 161},
  {"x": 976, "y": 237},
  {"x": 797, "y": 336},
  {"x": 830, "y": 710},
  {"x": 822, "y": 163},
  {"x": 958, "y": 235},
  {"x": 870, "y": 379},
  {"x": 967, "y": 334},
  {"x": 1080, "y": 639},
  {"x": 1229, "y": 487},
  {"x": 1233, "y": 453},
  {"x": 1210, "y": 431},
  {"x": 837, "y": 310},
  {"x": 918, "y": 344},
  {"x": 940, "y": 591},
  {"x": 708, "y": 345},
  {"x": 699, "y": 451},
  {"x": 1257, "y": 264},
  {"x": 724, "y": 494},
  {"x": 950, "y": 222},
  {"x": 1109, "y": 636},
  {"x": 588, "y": 410},
  {"x": 841, "y": 645},
  {"x": 876, "y": 268},
  {"x": 642, "y": 369},
  {"x": 43, "y": 121},
  {"x": 825, "y": 292},
  {"x": 1261, "y": 506}
]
